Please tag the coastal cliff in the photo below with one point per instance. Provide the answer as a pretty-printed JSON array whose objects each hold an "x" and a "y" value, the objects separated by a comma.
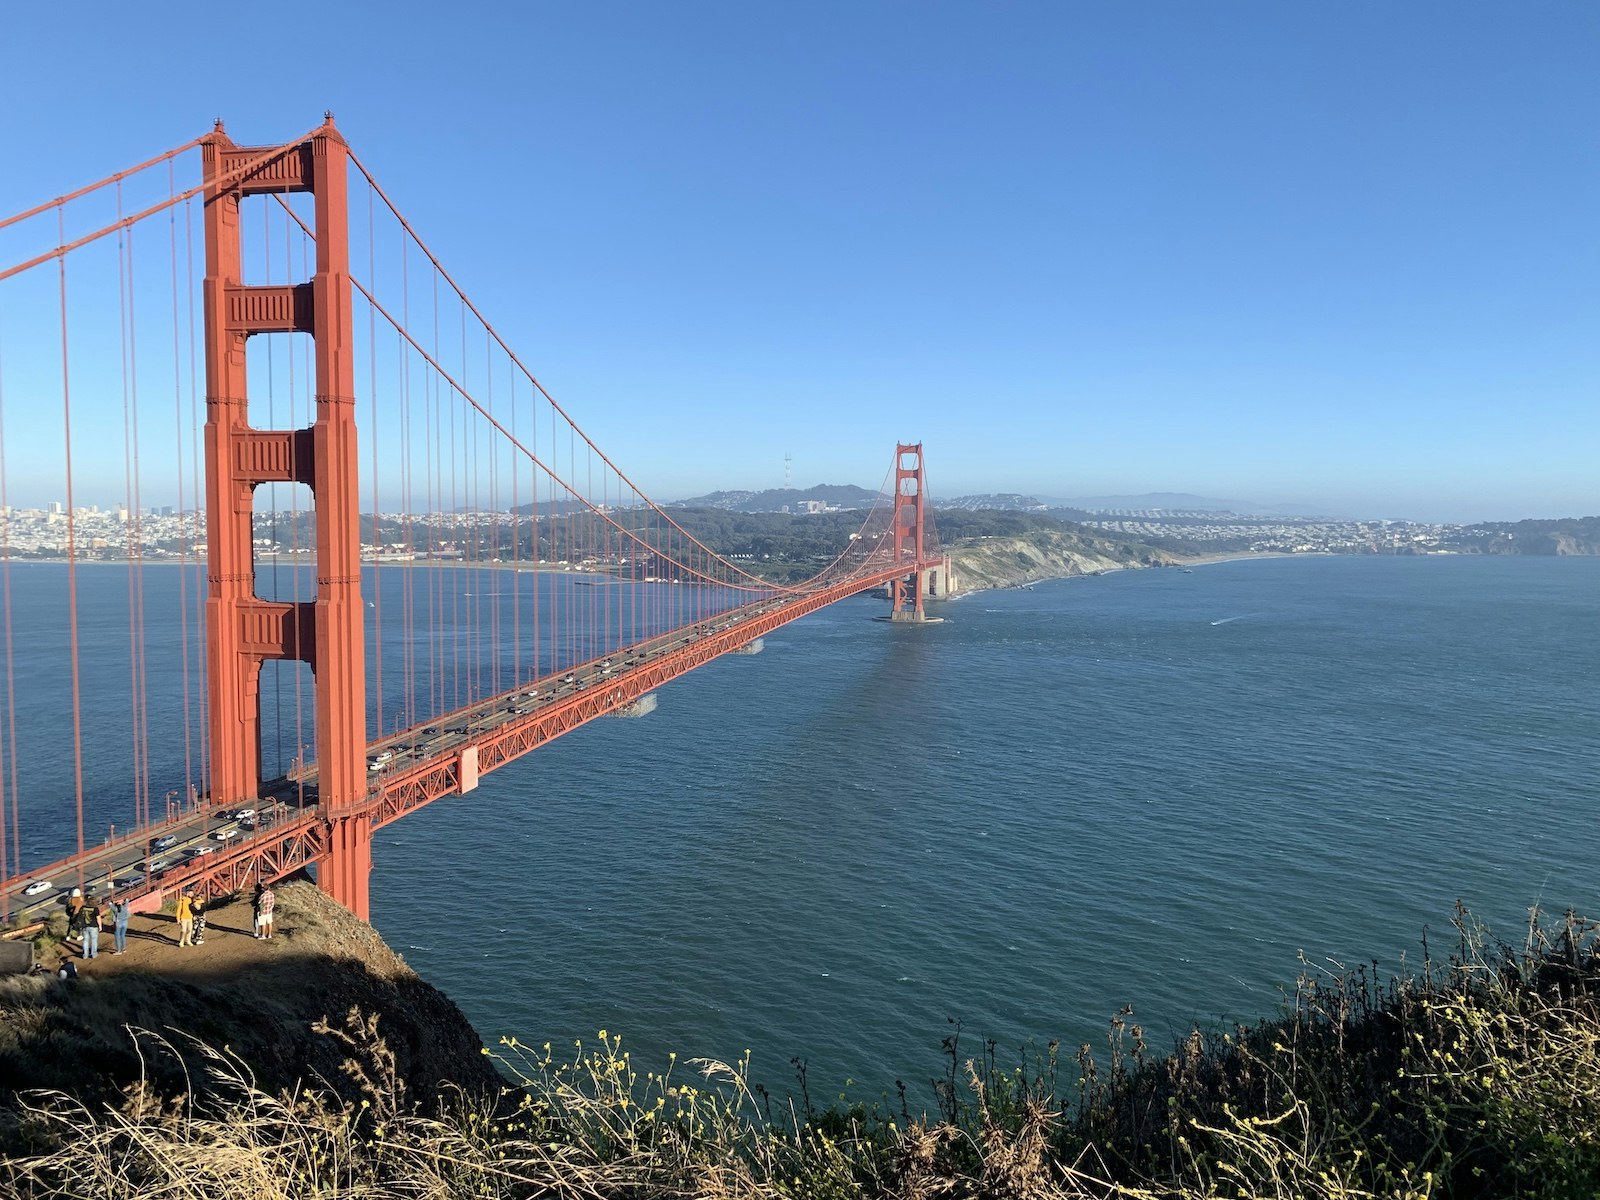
[
  {"x": 1012, "y": 560},
  {"x": 264, "y": 1001}
]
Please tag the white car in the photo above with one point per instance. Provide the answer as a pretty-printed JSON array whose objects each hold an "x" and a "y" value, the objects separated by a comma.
[
  {"x": 223, "y": 835},
  {"x": 200, "y": 851},
  {"x": 165, "y": 843},
  {"x": 36, "y": 887},
  {"x": 242, "y": 813}
]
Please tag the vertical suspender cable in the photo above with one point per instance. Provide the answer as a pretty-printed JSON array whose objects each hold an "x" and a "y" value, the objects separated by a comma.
[
  {"x": 10, "y": 853},
  {"x": 408, "y": 577},
  {"x": 202, "y": 683},
  {"x": 435, "y": 503},
  {"x": 72, "y": 553},
  {"x": 449, "y": 515},
  {"x": 135, "y": 539},
  {"x": 300, "y": 674},
  {"x": 516, "y": 548},
  {"x": 536, "y": 533},
  {"x": 372, "y": 436},
  {"x": 497, "y": 557},
  {"x": 178, "y": 441},
  {"x": 272, "y": 488},
  {"x": 141, "y": 698},
  {"x": 466, "y": 510}
]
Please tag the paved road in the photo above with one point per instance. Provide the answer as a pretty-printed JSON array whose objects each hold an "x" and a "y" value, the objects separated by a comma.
[{"x": 135, "y": 866}]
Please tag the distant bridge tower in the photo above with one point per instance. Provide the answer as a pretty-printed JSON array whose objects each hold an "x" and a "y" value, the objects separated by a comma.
[
  {"x": 906, "y": 592},
  {"x": 242, "y": 630}
]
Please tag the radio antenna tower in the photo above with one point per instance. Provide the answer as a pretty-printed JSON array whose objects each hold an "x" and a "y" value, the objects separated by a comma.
[{"x": 788, "y": 470}]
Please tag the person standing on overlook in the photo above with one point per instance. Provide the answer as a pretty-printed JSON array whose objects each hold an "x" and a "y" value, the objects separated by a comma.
[
  {"x": 185, "y": 914},
  {"x": 265, "y": 902},
  {"x": 119, "y": 928},
  {"x": 89, "y": 916},
  {"x": 83, "y": 921},
  {"x": 74, "y": 911}
]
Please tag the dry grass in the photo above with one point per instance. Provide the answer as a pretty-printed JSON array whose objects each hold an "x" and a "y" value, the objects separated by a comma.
[{"x": 1480, "y": 1079}]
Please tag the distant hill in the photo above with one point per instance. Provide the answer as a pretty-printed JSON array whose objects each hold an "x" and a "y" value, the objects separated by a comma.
[
  {"x": 837, "y": 495},
  {"x": 994, "y": 502},
  {"x": 1186, "y": 502},
  {"x": 1563, "y": 536}
]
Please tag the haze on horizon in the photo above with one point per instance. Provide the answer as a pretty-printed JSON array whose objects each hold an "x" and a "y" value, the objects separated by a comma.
[{"x": 1337, "y": 258}]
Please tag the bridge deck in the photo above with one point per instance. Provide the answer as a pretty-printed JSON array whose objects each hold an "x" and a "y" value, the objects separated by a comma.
[{"x": 220, "y": 850}]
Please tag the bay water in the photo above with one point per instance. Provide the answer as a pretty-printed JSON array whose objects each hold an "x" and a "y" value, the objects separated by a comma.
[{"x": 1169, "y": 789}]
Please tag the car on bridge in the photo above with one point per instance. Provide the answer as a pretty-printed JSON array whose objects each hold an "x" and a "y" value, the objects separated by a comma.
[
  {"x": 222, "y": 835},
  {"x": 132, "y": 879},
  {"x": 166, "y": 842},
  {"x": 242, "y": 813},
  {"x": 37, "y": 888},
  {"x": 160, "y": 864},
  {"x": 201, "y": 851}
]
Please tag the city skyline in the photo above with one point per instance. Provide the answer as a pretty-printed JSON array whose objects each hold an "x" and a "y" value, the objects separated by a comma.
[{"x": 1340, "y": 261}]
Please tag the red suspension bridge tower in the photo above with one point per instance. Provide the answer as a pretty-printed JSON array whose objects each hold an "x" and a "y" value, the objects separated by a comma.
[
  {"x": 243, "y": 631},
  {"x": 474, "y": 683}
]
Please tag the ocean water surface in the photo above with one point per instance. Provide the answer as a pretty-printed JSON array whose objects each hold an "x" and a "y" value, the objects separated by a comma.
[{"x": 1155, "y": 788}]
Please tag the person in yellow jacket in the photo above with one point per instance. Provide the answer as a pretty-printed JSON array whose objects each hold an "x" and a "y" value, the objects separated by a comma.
[{"x": 185, "y": 919}]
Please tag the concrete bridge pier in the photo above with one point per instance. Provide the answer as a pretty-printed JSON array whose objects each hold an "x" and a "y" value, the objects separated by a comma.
[
  {"x": 935, "y": 582},
  {"x": 938, "y": 583}
]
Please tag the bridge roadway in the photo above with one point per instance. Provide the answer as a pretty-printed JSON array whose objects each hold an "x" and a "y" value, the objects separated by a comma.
[{"x": 225, "y": 849}]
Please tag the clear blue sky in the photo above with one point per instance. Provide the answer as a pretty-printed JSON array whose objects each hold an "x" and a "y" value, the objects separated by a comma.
[{"x": 1344, "y": 255}]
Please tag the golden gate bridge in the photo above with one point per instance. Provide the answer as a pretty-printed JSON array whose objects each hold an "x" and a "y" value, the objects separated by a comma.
[{"x": 259, "y": 312}]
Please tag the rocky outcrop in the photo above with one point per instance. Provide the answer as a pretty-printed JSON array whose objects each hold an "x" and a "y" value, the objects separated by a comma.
[
  {"x": 993, "y": 562},
  {"x": 263, "y": 1001}
]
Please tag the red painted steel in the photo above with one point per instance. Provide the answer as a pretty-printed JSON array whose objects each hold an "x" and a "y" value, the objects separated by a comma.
[
  {"x": 243, "y": 631},
  {"x": 348, "y": 803},
  {"x": 906, "y": 591},
  {"x": 313, "y": 837}
]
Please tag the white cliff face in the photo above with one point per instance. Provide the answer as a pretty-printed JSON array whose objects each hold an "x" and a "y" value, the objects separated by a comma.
[{"x": 992, "y": 562}]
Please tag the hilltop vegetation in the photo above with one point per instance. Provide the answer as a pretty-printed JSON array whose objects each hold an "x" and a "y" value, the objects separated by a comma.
[
  {"x": 991, "y": 548},
  {"x": 1479, "y": 1078},
  {"x": 1567, "y": 535}
]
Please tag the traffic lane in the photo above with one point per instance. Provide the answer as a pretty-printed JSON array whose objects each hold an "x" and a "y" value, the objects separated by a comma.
[{"x": 111, "y": 870}]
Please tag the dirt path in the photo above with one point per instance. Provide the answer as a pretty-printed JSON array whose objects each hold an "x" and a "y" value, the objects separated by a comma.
[{"x": 153, "y": 944}]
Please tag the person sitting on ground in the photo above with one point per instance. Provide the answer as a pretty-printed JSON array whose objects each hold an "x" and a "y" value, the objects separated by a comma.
[{"x": 67, "y": 970}]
